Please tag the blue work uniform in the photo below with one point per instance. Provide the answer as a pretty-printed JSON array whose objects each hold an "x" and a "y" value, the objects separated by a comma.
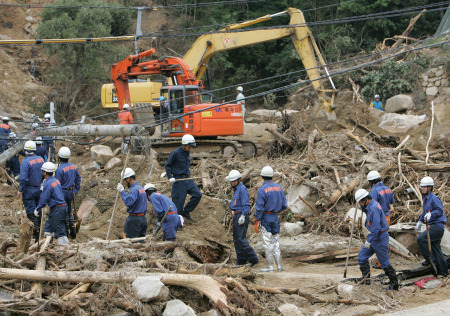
[
  {"x": 378, "y": 236},
  {"x": 161, "y": 204},
  {"x": 436, "y": 226},
  {"x": 270, "y": 200},
  {"x": 42, "y": 152},
  {"x": 383, "y": 195},
  {"x": 377, "y": 105},
  {"x": 47, "y": 141},
  {"x": 177, "y": 166},
  {"x": 67, "y": 173},
  {"x": 240, "y": 205},
  {"x": 136, "y": 202},
  {"x": 13, "y": 167},
  {"x": 5, "y": 130},
  {"x": 52, "y": 195},
  {"x": 3, "y": 144}
]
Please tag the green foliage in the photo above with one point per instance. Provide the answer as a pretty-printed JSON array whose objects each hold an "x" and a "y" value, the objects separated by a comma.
[
  {"x": 78, "y": 71},
  {"x": 390, "y": 79}
]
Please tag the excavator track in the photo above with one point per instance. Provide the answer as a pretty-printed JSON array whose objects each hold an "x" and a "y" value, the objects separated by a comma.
[{"x": 206, "y": 148}]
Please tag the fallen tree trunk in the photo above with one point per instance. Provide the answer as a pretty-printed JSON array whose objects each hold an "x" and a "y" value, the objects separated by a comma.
[
  {"x": 204, "y": 284},
  {"x": 324, "y": 256},
  {"x": 349, "y": 187},
  {"x": 281, "y": 137},
  {"x": 36, "y": 289}
]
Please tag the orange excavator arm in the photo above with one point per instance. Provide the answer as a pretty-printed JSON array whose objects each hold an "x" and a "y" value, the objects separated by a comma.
[{"x": 131, "y": 67}]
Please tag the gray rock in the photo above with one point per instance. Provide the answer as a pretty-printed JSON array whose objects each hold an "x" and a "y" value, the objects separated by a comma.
[
  {"x": 117, "y": 151},
  {"x": 424, "y": 83},
  {"x": 444, "y": 82},
  {"x": 399, "y": 103},
  {"x": 290, "y": 310},
  {"x": 409, "y": 240},
  {"x": 437, "y": 83},
  {"x": 178, "y": 308},
  {"x": 295, "y": 204},
  {"x": 439, "y": 73},
  {"x": 434, "y": 70},
  {"x": 292, "y": 229},
  {"x": 345, "y": 289},
  {"x": 93, "y": 183},
  {"x": 31, "y": 19},
  {"x": 150, "y": 288},
  {"x": 432, "y": 91},
  {"x": 400, "y": 123},
  {"x": 91, "y": 167},
  {"x": 434, "y": 79},
  {"x": 114, "y": 162},
  {"x": 101, "y": 154}
]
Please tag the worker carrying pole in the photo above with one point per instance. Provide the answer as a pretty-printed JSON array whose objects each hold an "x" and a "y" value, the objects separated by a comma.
[{"x": 125, "y": 119}]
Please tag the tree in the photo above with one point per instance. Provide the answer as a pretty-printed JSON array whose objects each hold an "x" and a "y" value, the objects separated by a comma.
[{"x": 78, "y": 70}]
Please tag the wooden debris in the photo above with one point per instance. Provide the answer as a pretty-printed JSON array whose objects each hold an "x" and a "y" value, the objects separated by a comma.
[
  {"x": 324, "y": 256},
  {"x": 281, "y": 137}
]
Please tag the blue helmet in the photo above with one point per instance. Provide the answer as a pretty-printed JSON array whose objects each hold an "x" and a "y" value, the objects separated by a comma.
[{"x": 161, "y": 98}]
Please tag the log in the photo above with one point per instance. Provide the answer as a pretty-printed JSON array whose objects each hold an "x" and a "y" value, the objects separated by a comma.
[
  {"x": 26, "y": 233},
  {"x": 75, "y": 291},
  {"x": 246, "y": 173},
  {"x": 7, "y": 244},
  {"x": 357, "y": 139},
  {"x": 442, "y": 167},
  {"x": 346, "y": 188},
  {"x": 206, "y": 180},
  {"x": 408, "y": 29},
  {"x": 281, "y": 137},
  {"x": 311, "y": 139},
  {"x": 204, "y": 284},
  {"x": 377, "y": 138},
  {"x": 40, "y": 266},
  {"x": 400, "y": 147},
  {"x": 414, "y": 154},
  {"x": 323, "y": 256}
]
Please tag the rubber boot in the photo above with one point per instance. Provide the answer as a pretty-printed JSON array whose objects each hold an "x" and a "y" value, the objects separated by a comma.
[
  {"x": 365, "y": 270},
  {"x": 269, "y": 267},
  {"x": 72, "y": 232},
  {"x": 278, "y": 262},
  {"x": 390, "y": 273},
  {"x": 63, "y": 240}
]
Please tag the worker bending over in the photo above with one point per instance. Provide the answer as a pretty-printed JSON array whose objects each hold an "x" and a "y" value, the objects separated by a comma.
[
  {"x": 52, "y": 195},
  {"x": 432, "y": 214},
  {"x": 136, "y": 202},
  {"x": 161, "y": 205},
  {"x": 30, "y": 185},
  {"x": 178, "y": 167},
  {"x": 5, "y": 130},
  {"x": 270, "y": 200},
  {"x": 240, "y": 205},
  {"x": 69, "y": 176},
  {"x": 377, "y": 240},
  {"x": 125, "y": 118}
]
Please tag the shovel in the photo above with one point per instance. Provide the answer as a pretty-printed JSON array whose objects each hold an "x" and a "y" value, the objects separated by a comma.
[{"x": 85, "y": 210}]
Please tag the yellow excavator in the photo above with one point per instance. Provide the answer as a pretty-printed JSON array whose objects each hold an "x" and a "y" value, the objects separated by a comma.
[{"x": 147, "y": 91}]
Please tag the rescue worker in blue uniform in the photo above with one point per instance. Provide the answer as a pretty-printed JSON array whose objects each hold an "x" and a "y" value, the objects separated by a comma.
[
  {"x": 136, "y": 202},
  {"x": 40, "y": 150},
  {"x": 52, "y": 195},
  {"x": 69, "y": 176},
  {"x": 383, "y": 195},
  {"x": 377, "y": 240},
  {"x": 161, "y": 205},
  {"x": 270, "y": 200},
  {"x": 177, "y": 167},
  {"x": 240, "y": 205},
  {"x": 433, "y": 213},
  {"x": 30, "y": 185},
  {"x": 12, "y": 165},
  {"x": 377, "y": 104},
  {"x": 48, "y": 143},
  {"x": 5, "y": 130}
]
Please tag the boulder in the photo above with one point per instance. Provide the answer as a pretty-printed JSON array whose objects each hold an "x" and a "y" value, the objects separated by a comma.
[
  {"x": 290, "y": 310},
  {"x": 101, "y": 154},
  {"x": 445, "y": 243},
  {"x": 93, "y": 166},
  {"x": 308, "y": 244},
  {"x": 295, "y": 204},
  {"x": 114, "y": 162},
  {"x": 345, "y": 289},
  {"x": 432, "y": 91},
  {"x": 292, "y": 229},
  {"x": 150, "y": 288},
  {"x": 399, "y": 103},
  {"x": 178, "y": 308},
  {"x": 409, "y": 240},
  {"x": 400, "y": 123}
]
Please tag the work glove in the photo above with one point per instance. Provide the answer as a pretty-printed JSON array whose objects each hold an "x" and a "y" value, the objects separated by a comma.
[
  {"x": 367, "y": 245},
  {"x": 256, "y": 226},
  {"x": 17, "y": 177},
  {"x": 418, "y": 226},
  {"x": 157, "y": 225},
  {"x": 181, "y": 220},
  {"x": 172, "y": 180},
  {"x": 427, "y": 217},
  {"x": 120, "y": 187},
  {"x": 241, "y": 220},
  {"x": 228, "y": 201},
  {"x": 36, "y": 213}
]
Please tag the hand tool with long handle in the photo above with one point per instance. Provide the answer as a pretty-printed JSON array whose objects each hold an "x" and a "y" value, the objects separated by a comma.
[
  {"x": 429, "y": 247},
  {"x": 118, "y": 193},
  {"x": 159, "y": 227},
  {"x": 176, "y": 180},
  {"x": 350, "y": 240}
]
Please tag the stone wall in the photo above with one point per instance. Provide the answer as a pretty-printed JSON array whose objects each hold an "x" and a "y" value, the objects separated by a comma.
[{"x": 433, "y": 81}]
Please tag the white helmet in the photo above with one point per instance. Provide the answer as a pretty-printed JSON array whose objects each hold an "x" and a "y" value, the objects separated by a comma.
[
  {"x": 39, "y": 140},
  {"x": 149, "y": 188},
  {"x": 128, "y": 173},
  {"x": 240, "y": 89},
  {"x": 12, "y": 135},
  {"x": 5, "y": 118},
  {"x": 372, "y": 175},
  {"x": 35, "y": 125},
  {"x": 188, "y": 139},
  {"x": 267, "y": 171},
  {"x": 126, "y": 106},
  {"x": 64, "y": 152},
  {"x": 30, "y": 146},
  {"x": 233, "y": 175},
  {"x": 427, "y": 182},
  {"x": 361, "y": 194},
  {"x": 47, "y": 116},
  {"x": 48, "y": 167},
  {"x": 377, "y": 96}
]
